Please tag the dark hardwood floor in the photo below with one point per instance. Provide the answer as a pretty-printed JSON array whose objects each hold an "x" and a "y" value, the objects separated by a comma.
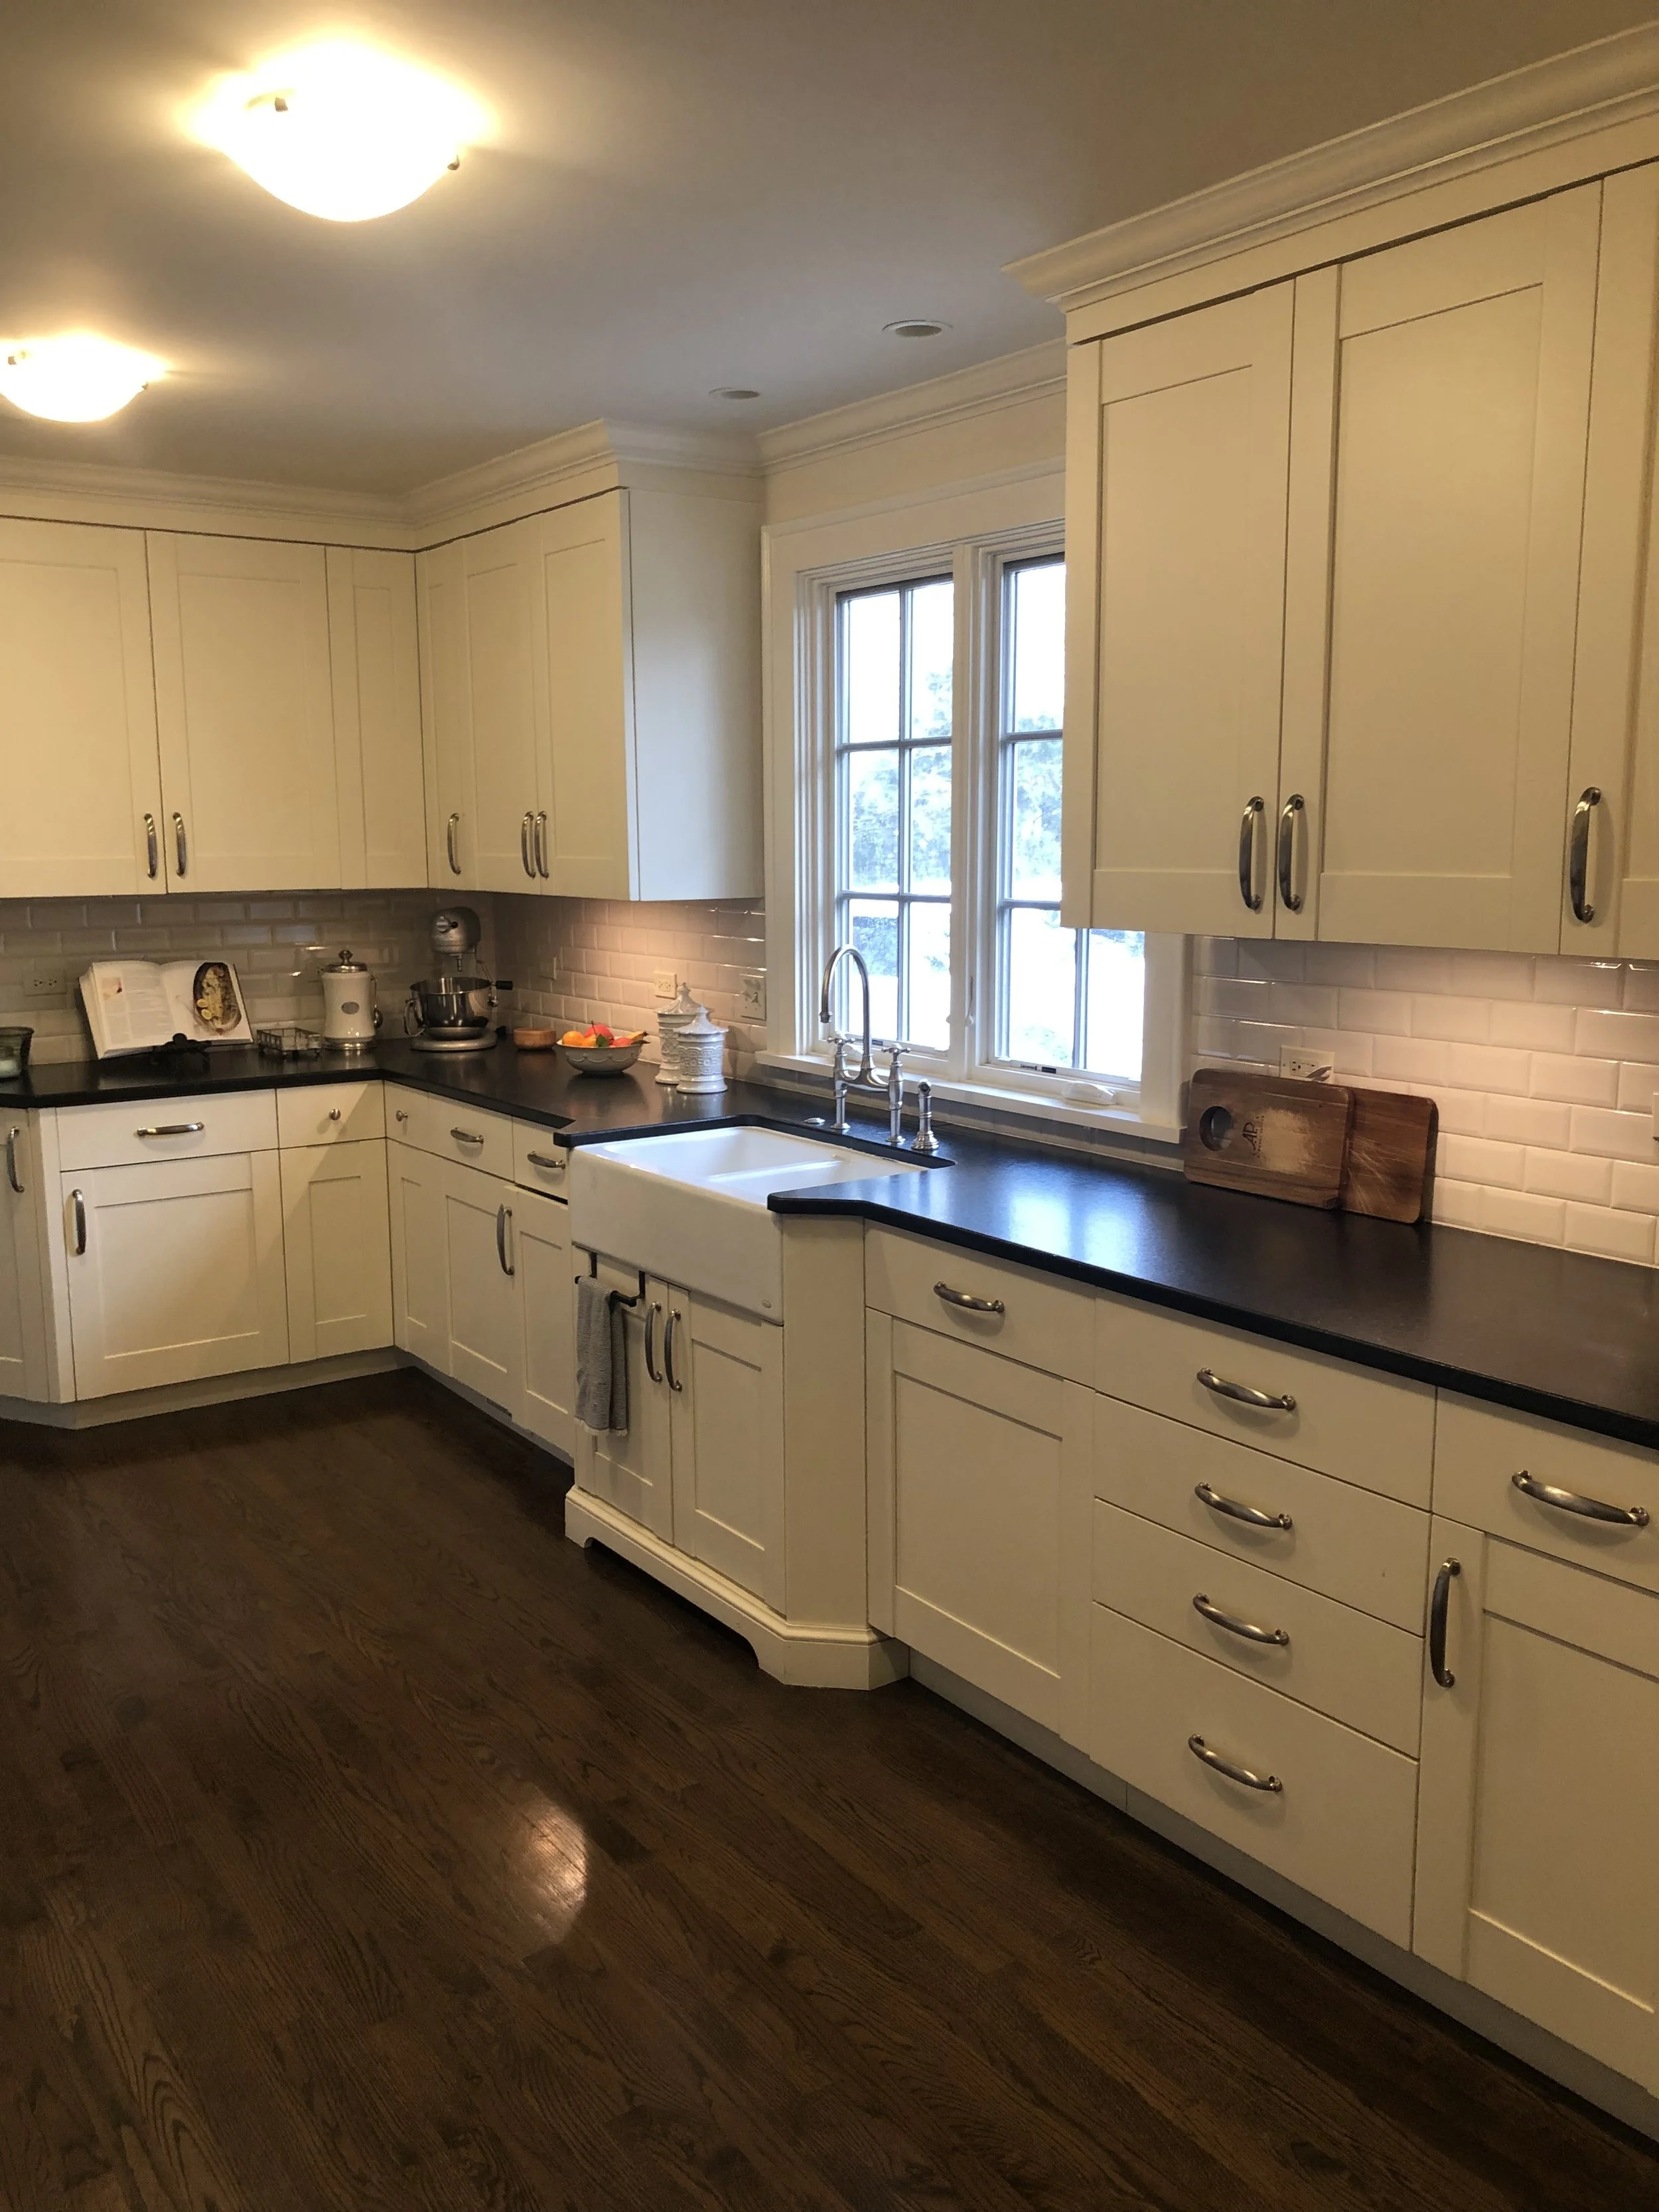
[{"x": 362, "y": 1844}]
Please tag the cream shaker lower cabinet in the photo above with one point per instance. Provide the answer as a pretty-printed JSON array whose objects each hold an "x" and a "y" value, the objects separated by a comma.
[
  {"x": 23, "y": 1363},
  {"x": 337, "y": 1239},
  {"x": 542, "y": 1266},
  {"x": 485, "y": 1347},
  {"x": 420, "y": 1284},
  {"x": 632, "y": 1469},
  {"x": 1540, "y": 1817},
  {"x": 979, "y": 1503},
  {"x": 175, "y": 1270}
]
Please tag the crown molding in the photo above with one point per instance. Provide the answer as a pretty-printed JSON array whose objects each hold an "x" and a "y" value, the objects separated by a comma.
[
  {"x": 1038, "y": 373},
  {"x": 88, "y": 491},
  {"x": 1615, "y": 80},
  {"x": 595, "y": 457}
]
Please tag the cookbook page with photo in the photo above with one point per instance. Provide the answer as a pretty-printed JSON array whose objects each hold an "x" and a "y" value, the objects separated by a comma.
[{"x": 136, "y": 1005}]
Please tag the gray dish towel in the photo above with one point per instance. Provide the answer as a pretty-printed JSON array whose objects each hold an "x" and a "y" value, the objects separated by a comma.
[{"x": 601, "y": 1357}]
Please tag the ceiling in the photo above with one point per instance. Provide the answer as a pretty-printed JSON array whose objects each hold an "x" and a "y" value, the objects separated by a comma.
[{"x": 678, "y": 194}]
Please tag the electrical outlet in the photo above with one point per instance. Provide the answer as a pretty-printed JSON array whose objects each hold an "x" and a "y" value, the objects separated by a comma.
[
  {"x": 44, "y": 983},
  {"x": 752, "y": 995},
  {"x": 1308, "y": 1063},
  {"x": 665, "y": 983}
]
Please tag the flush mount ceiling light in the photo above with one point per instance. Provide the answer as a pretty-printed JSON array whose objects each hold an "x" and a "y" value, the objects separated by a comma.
[
  {"x": 916, "y": 326},
  {"x": 340, "y": 129},
  {"x": 734, "y": 391},
  {"x": 76, "y": 378}
]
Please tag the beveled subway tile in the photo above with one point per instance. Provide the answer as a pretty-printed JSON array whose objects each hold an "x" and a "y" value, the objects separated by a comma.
[
  {"x": 1577, "y": 982},
  {"x": 1533, "y": 1027},
  {"x": 1411, "y": 1059},
  {"x": 1489, "y": 1067},
  {"x": 1582, "y": 1082},
  {"x": 1457, "y": 1204},
  {"x": 1544, "y": 1122},
  {"x": 1350, "y": 967},
  {"x": 1493, "y": 974},
  {"x": 1380, "y": 1012},
  {"x": 1521, "y": 1213},
  {"x": 1615, "y": 1235},
  {"x": 1462, "y": 1113},
  {"x": 1638, "y": 1084},
  {"x": 1478, "y": 1159},
  {"x": 1616, "y": 1136},
  {"x": 1459, "y": 1021},
  {"x": 1570, "y": 1174},
  {"x": 1412, "y": 968},
  {"x": 1611, "y": 1035},
  {"x": 1635, "y": 1186}
]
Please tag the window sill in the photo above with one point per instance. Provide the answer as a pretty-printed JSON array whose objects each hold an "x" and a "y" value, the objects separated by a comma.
[{"x": 1002, "y": 1098}]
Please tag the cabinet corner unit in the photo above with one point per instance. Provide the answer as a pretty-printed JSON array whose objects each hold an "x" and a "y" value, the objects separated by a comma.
[{"x": 590, "y": 687}]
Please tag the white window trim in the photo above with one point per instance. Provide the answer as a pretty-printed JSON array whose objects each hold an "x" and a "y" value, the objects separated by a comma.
[{"x": 969, "y": 533}]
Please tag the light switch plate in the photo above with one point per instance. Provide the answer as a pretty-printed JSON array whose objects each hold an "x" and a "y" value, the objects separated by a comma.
[
  {"x": 665, "y": 983},
  {"x": 1306, "y": 1062},
  {"x": 752, "y": 998}
]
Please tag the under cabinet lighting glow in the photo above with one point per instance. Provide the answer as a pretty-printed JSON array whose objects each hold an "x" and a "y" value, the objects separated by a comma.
[
  {"x": 341, "y": 130},
  {"x": 76, "y": 378}
]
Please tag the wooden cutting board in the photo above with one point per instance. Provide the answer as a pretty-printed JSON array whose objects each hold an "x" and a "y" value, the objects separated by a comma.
[
  {"x": 1267, "y": 1134},
  {"x": 1391, "y": 1155}
]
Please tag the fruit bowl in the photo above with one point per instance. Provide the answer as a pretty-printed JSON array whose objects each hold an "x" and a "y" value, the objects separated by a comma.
[{"x": 597, "y": 1052}]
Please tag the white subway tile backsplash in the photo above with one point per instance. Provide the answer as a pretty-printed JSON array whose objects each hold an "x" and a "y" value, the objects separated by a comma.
[
  {"x": 1410, "y": 968},
  {"x": 1462, "y": 1021},
  {"x": 1637, "y": 1084},
  {"x": 1617, "y": 1036},
  {"x": 1616, "y": 1136},
  {"x": 1491, "y": 974},
  {"x": 1349, "y": 966},
  {"x": 1535, "y": 1028},
  {"x": 1578, "y": 983},
  {"x": 1489, "y": 1067},
  {"x": 1570, "y": 1174},
  {"x": 1478, "y": 1159},
  {"x": 1581, "y": 1082},
  {"x": 1384, "y": 1013},
  {"x": 1523, "y": 1213},
  {"x": 1615, "y": 1235},
  {"x": 1529, "y": 1122}
]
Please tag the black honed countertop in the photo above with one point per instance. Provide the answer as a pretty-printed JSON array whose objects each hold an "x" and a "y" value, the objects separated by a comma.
[{"x": 1555, "y": 1333}]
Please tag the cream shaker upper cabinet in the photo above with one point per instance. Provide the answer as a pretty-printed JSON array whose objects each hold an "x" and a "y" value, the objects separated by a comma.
[
  {"x": 82, "y": 813},
  {"x": 377, "y": 717},
  {"x": 1175, "y": 500},
  {"x": 246, "y": 721},
  {"x": 446, "y": 717},
  {"x": 1438, "y": 449}
]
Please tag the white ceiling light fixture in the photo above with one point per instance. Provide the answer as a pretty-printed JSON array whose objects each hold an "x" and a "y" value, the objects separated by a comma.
[
  {"x": 916, "y": 326},
  {"x": 76, "y": 378},
  {"x": 341, "y": 129}
]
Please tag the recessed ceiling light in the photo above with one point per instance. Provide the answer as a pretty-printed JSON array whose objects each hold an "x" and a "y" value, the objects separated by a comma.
[
  {"x": 341, "y": 129},
  {"x": 76, "y": 378},
  {"x": 734, "y": 391},
  {"x": 916, "y": 326}
]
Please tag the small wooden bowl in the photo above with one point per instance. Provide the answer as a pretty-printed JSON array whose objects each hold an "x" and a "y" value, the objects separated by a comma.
[{"x": 529, "y": 1039}]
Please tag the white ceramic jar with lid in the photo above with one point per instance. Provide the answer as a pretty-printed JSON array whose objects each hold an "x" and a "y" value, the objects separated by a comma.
[
  {"x": 701, "y": 1047},
  {"x": 670, "y": 1022},
  {"x": 350, "y": 1015}
]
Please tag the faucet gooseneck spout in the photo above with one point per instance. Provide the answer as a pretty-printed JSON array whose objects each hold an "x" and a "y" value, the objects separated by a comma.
[{"x": 865, "y": 1074}]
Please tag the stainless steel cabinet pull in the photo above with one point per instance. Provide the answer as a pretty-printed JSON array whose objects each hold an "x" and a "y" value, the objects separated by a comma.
[
  {"x": 1249, "y": 824},
  {"x": 526, "y": 832},
  {"x": 503, "y": 1223},
  {"x": 1200, "y": 1749},
  {"x": 467, "y": 1136},
  {"x": 1439, "y": 1607},
  {"x": 1578, "y": 852},
  {"x": 651, "y": 1317},
  {"x": 1294, "y": 810},
  {"x": 180, "y": 845},
  {"x": 1570, "y": 1501},
  {"x": 78, "y": 1215},
  {"x": 1246, "y": 1394},
  {"x": 172, "y": 1129},
  {"x": 452, "y": 841},
  {"x": 1234, "y": 1626},
  {"x": 1252, "y": 1514},
  {"x": 547, "y": 1160},
  {"x": 541, "y": 845},
  {"x": 12, "y": 1175},
  {"x": 669, "y": 1334},
  {"x": 967, "y": 1301},
  {"x": 152, "y": 848}
]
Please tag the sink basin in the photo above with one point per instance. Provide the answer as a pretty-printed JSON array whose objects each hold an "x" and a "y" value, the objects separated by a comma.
[{"x": 691, "y": 1204}]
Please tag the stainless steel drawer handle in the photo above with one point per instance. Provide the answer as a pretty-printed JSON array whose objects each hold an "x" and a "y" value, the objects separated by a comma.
[
  {"x": 1578, "y": 853},
  {"x": 451, "y": 838},
  {"x": 1295, "y": 809},
  {"x": 1248, "y": 825},
  {"x": 547, "y": 1160},
  {"x": 1570, "y": 1501},
  {"x": 1246, "y": 1394},
  {"x": 526, "y": 833},
  {"x": 172, "y": 1129},
  {"x": 1234, "y": 1626},
  {"x": 180, "y": 845},
  {"x": 541, "y": 845},
  {"x": 152, "y": 848},
  {"x": 967, "y": 1301},
  {"x": 78, "y": 1215},
  {"x": 467, "y": 1136},
  {"x": 12, "y": 1175},
  {"x": 1253, "y": 1515},
  {"x": 503, "y": 1223},
  {"x": 669, "y": 1335},
  {"x": 1233, "y": 1771},
  {"x": 1439, "y": 1610}
]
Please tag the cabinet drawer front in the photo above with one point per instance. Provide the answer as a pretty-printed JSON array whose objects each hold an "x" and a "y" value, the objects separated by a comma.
[
  {"x": 330, "y": 1112},
  {"x": 1365, "y": 1428},
  {"x": 450, "y": 1131},
  {"x": 539, "y": 1162},
  {"x": 1342, "y": 1824},
  {"x": 1344, "y": 1663},
  {"x": 1042, "y": 1323},
  {"x": 120, "y": 1136},
  {"x": 1360, "y": 1549},
  {"x": 1479, "y": 1451}
]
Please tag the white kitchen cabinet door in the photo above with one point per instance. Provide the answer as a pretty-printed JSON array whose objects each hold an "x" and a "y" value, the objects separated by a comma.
[
  {"x": 375, "y": 663},
  {"x": 724, "y": 1371},
  {"x": 542, "y": 1261},
  {"x": 420, "y": 1282},
  {"x": 175, "y": 1271},
  {"x": 1539, "y": 1820},
  {"x": 1175, "y": 503},
  {"x": 486, "y": 1345},
  {"x": 337, "y": 1239},
  {"x": 979, "y": 1510},
  {"x": 582, "y": 612},
  {"x": 23, "y": 1287},
  {"x": 1452, "y": 407},
  {"x": 446, "y": 717},
  {"x": 77, "y": 704},
  {"x": 245, "y": 709},
  {"x": 632, "y": 1469}
]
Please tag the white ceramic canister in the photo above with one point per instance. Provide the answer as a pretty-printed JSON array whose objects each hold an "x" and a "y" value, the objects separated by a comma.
[
  {"x": 701, "y": 1047},
  {"x": 670, "y": 1022}
]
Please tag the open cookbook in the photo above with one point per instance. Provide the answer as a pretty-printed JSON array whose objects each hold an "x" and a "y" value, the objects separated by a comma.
[{"x": 137, "y": 1005}]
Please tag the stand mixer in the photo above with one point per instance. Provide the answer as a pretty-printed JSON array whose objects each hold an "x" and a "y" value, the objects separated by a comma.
[{"x": 449, "y": 1011}]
